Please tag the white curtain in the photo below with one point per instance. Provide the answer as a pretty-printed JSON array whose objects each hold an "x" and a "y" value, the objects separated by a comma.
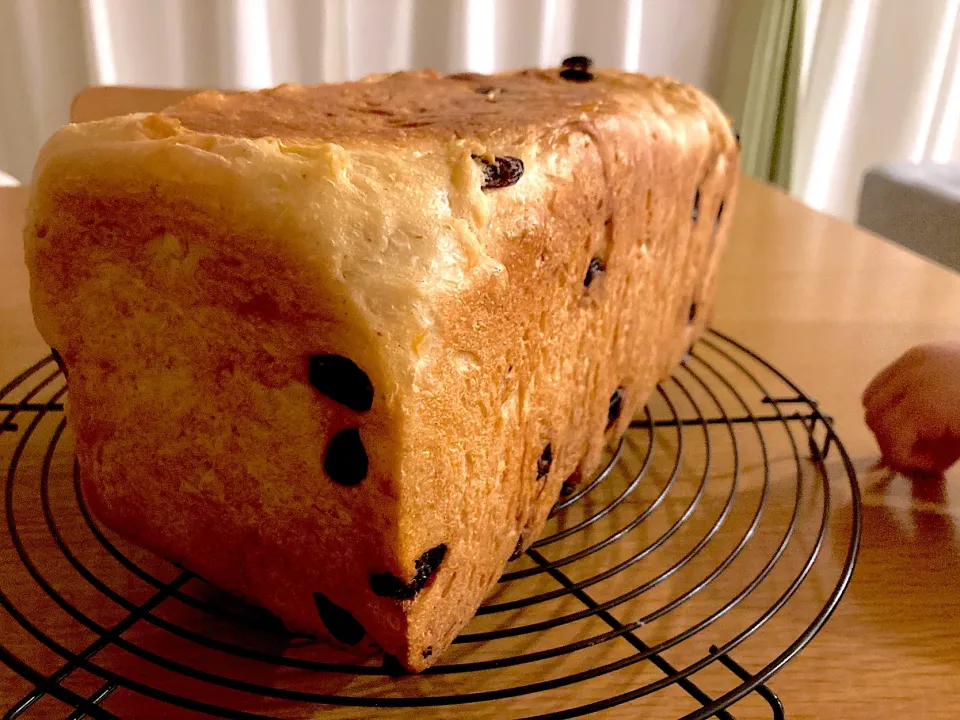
[
  {"x": 50, "y": 49},
  {"x": 881, "y": 78},
  {"x": 881, "y": 83}
]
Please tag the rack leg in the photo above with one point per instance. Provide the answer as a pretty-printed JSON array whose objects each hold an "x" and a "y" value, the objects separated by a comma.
[{"x": 762, "y": 690}]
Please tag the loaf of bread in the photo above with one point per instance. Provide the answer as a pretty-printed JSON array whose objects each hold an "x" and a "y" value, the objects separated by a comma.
[{"x": 336, "y": 349}]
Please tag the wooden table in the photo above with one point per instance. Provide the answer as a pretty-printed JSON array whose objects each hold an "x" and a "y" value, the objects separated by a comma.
[{"x": 829, "y": 305}]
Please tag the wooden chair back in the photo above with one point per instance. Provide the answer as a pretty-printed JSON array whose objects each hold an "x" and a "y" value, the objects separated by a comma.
[{"x": 98, "y": 102}]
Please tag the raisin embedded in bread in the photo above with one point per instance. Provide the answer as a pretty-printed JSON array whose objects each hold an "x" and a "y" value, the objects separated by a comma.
[{"x": 337, "y": 349}]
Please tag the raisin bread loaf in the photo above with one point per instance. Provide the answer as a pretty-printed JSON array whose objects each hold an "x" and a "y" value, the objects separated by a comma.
[{"x": 337, "y": 348}]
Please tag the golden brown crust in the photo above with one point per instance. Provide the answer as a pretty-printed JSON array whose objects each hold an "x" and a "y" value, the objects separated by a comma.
[
  {"x": 408, "y": 107},
  {"x": 187, "y": 265}
]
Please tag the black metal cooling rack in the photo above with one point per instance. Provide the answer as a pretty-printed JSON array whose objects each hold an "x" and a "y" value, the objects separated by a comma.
[{"x": 687, "y": 547}]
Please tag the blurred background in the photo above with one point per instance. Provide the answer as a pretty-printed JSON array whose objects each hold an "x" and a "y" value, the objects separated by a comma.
[{"x": 822, "y": 90}]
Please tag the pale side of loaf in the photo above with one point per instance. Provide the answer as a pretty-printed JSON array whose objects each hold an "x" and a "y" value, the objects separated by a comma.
[{"x": 187, "y": 266}]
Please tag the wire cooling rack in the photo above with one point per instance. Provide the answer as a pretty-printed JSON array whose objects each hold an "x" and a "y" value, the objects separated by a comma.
[{"x": 717, "y": 528}]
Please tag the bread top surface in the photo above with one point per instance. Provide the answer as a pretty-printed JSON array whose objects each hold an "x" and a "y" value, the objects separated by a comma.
[
  {"x": 405, "y": 107},
  {"x": 378, "y": 178}
]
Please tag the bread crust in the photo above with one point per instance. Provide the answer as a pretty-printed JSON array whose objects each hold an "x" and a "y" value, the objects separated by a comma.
[{"x": 188, "y": 264}]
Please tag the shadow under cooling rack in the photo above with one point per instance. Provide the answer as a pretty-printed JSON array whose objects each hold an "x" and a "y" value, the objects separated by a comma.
[{"x": 718, "y": 529}]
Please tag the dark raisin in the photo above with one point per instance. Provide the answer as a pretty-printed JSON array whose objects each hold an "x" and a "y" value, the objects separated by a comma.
[
  {"x": 576, "y": 75},
  {"x": 580, "y": 62},
  {"x": 59, "y": 360},
  {"x": 695, "y": 213},
  {"x": 615, "y": 407},
  {"x": 544, "y": 462},
  {"x": 719, "y": 213},
  {"x": 393, "y": 667},
  {"x": 518, "y": 550},
  {"x": 346, "y": 461},
  {"x": 339, "y": 623},
  {"x": 468, "y": 76},
  {"x": 692, "y": 315},
  {"x": 390, "y": 586},
  {"x": 736, "y": 136},
  {"x": 427, "y": 652},
  {"x": 594, "y": 269},
  {"x": 502, "y": 172},
  {"x": 342, "y": 381}
]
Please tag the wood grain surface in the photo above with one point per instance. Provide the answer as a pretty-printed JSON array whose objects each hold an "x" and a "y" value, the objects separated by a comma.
[{"x": 823, "y": 301}]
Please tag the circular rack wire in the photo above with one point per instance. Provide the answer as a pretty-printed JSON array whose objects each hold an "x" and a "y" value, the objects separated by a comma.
[{"x": 699, "y": 539}]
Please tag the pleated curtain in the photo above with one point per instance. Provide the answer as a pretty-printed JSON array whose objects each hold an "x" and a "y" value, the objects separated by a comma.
[{"x": 872, "y": 80}]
